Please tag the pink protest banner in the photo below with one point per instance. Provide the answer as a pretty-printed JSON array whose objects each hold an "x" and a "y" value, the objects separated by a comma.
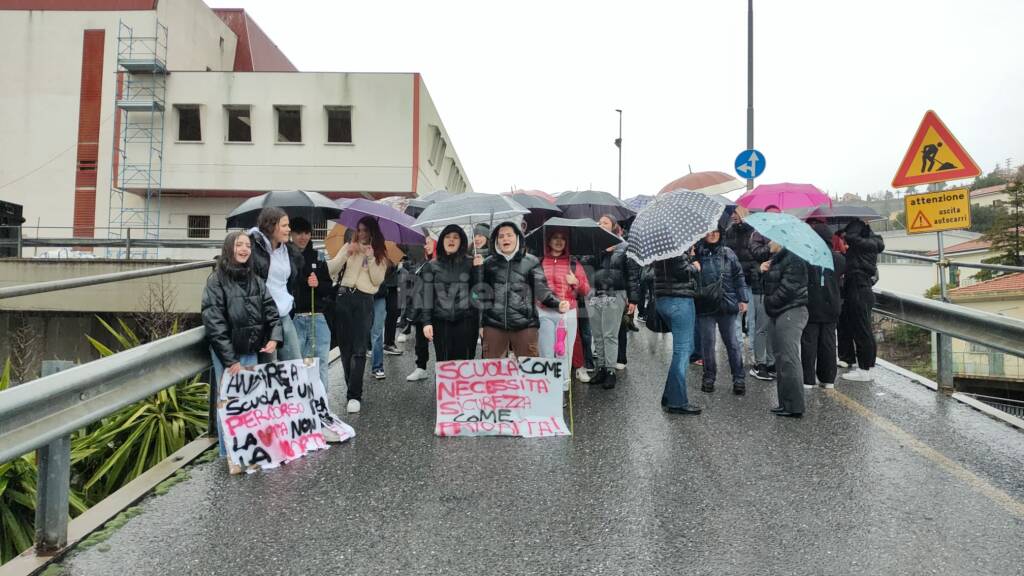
[
  {"x": 274, "y": 413},
  {"x": 500, "y": 397}
]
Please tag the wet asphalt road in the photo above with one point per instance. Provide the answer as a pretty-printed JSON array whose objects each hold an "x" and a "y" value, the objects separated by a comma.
[{"x": 883, "y": 478}]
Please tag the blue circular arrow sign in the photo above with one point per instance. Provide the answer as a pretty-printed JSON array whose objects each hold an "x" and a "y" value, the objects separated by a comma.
[{"x": 750, "y": 164}]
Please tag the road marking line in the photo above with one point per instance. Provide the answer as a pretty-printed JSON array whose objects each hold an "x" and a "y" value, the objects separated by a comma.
[{"x": 951, "y": 466}]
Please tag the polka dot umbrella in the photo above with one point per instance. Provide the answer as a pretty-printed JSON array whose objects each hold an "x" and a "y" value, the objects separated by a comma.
[{"x": 671, "y": 224}]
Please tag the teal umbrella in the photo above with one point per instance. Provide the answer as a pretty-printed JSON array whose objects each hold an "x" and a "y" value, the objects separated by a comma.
[{"x": 794, "y": 235}]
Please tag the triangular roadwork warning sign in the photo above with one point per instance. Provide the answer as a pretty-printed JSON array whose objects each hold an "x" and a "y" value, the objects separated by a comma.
[
  {"x": 920, "y": 222},
  {"x": 934, "y": 156}
]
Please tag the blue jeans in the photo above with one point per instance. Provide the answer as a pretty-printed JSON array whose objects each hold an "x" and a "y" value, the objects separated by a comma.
[
  {"x": 218, "y": 374},
  {"x": 321, "y": 348},
  {"x": 289, "y": 349},
  {"x": 680, "y": 314},
  {"x": 377, "y": 333},
  {"x": 727, "y": 325}
]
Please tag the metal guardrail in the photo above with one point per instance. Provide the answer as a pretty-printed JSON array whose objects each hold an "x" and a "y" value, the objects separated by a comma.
[
  {"x": 42, "y": 414},
  {"x": 69, "y": 283},
  {"x": 952, "y": 264}
]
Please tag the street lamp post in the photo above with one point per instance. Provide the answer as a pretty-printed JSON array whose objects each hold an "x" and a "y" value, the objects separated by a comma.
[
  {"x": 750, "y": 82},
  {"x": 618, "y": 144}
]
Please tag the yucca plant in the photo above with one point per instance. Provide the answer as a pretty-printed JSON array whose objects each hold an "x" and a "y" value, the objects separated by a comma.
[
  {"x": 127, "y": 443},
  {"x": 18, "y": 496}
]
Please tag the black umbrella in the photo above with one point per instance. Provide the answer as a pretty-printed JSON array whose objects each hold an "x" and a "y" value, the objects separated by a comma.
[
  {"x": 312, "y": 206},
  {"x": 586, "y": 237},
  {"x": 839, "y": 215},
  {"x": 540, "y": 209},
  {"x": 593, "y": 204},
  {"x": 418, "y": 205}
]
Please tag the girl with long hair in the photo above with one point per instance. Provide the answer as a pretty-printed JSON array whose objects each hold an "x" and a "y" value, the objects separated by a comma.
[
  {"x": 239, "y": 315},
  {"x": 359, "y": 266},
  {"x": 278, "y": 263}
]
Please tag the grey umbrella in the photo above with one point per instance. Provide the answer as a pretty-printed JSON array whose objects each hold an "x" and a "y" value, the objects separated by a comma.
[
  {"x": 312, "y": 206},
  {"x": 469, "y": 209},
  {"x": 592, "y": 204},
  {"x": 416, "y": 206},
  {"x": 671, "y": 224}
]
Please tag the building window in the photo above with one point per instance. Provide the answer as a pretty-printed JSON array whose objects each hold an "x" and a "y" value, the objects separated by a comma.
[
  {"x": 289, "y": 124},
  {"x": 438, "y": 159},
  {"x": 198, "y": 226},
  {"x": 189, "y": 125},
  {"x": 435, "y": 146},
  {"x": 339, "y": 124},
  {"x": 453, "y": 175},
  {"x": 239, "y": 123}
]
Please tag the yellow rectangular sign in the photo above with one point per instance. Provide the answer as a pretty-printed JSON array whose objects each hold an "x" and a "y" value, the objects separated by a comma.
[{"x": 938, "y": 211}]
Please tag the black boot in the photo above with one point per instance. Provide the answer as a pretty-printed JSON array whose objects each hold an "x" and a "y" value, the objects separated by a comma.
[
  {"x": 600, "y": 376},
  {"x": 609, "y": 382}
]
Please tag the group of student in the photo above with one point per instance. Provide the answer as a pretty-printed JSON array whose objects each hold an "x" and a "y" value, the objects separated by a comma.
[{"x": 273, "y": 295}]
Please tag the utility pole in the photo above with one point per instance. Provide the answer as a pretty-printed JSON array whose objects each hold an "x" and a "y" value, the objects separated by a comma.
[
  {"x": 750, "y": 82},
  {"x": 618, "y": 144}
]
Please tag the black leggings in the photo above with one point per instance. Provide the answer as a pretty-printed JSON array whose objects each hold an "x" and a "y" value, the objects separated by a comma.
[
  {"x": 353, "y": 320},
  {"x": 455, "y": 340}
]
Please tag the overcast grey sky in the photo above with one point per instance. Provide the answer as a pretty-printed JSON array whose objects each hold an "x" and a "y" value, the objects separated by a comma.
[{"x": 528, "y": 90}]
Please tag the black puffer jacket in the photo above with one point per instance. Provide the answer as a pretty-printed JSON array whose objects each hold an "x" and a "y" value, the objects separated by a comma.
[
  {"x": 510, "y": 287},
  {"x": 239, "y": 315},
  {"x": 675, "y": 277},
  {"x": 324, "y": 291},
  {"x": 737, "y": 237},
  {"x": 447, "y": 282},
  {"x": 260, "y": 259},
  {"x": 785, "y": 283},
  {"x": 824, "y": 299},
  {"x": 610, "y": 272},
  {"x": 862, "y": 255}
]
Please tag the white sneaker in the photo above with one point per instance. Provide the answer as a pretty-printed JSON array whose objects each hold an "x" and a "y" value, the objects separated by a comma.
[
  {"x": 582, "y": 375},
  {"x": 842, "y": 364},
  {"x": 401, "y": 338},
  {"x": 330, "y": 435},
  {"x": 858, "y": 375},
  {"x": 417, "y": 374},
  {"x": 353, "y": 406},
  {"x": 620, "y": 366},
  {"x": 379, "y": 374},
  {"x": 828, "y": 385},
  {"x": 808, "y": 387}
]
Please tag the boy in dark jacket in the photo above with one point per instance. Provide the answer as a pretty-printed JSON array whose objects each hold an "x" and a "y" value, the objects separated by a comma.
[
  {"x": 785, "y": 301},
  {"x": 721, "y": 267},
  {"x": 313, "y": 298},
  {"x": 824, "y": 302},
  {"x": 864, "y": 246}
]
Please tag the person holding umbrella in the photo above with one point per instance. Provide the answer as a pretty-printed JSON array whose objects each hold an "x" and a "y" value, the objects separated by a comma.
[
  {"x": 785, "y": 301},
  {"x": 450, "y": 318},
  {"x": 824, "y": 302},
  {"x": 512, "y": 281},
  {"x": 360, "y": 266},
  {"x": 313, "y": 299},
  {"x": 278, "y": 263},
  {"x": 568, "y": 281},
  {"x": 863, "y": 248},
  {"x": 616, "y": 283}
]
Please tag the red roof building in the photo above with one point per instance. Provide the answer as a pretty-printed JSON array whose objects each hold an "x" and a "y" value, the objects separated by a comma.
[{"x": 1009, "y": 286}]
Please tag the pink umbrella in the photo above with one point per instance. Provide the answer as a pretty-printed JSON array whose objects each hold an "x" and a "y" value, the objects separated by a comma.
[
  {"x": 785, "y": 195},
  {"x": 536, "y": 193},
  {"x": 710, "y": 182}
]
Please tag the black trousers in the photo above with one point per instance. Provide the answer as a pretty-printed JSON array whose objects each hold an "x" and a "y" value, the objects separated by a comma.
[
  {"x": 844, "y": 334},
  {"x": 455, "y": 340},
  {"x": 623, "y": 335},
  {"x": 391, "y": 319},
  {"x": 818, "y": 353},
  {"x": 860, "y": 301},
  {"x": 353, "y": 320},
  {"x": 422, "y": 346}
]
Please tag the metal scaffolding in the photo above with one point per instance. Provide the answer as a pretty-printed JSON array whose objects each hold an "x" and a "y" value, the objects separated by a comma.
[{"x": 137, "y": 170}]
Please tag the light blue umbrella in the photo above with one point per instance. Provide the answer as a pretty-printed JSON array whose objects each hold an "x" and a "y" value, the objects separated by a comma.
[{"x": 794, "y": 235}]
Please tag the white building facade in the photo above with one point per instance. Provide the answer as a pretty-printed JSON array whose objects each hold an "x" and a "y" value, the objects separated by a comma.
[{"x": 164, "y": 116}]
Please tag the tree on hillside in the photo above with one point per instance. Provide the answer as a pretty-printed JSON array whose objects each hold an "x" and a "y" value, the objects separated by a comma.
[
  {"x": 1006, "y": 232},
  {"x": 993, "y": 178}
]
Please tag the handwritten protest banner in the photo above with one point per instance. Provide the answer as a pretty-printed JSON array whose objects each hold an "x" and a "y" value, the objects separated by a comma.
[
  {"x": 500, "y": 397},
  {"x": 275, "y": 413}
]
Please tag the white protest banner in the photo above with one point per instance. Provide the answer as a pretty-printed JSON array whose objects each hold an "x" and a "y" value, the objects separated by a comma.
[
  {"x": 274, "y": 413},
  {"x": 500, "y": 397}
]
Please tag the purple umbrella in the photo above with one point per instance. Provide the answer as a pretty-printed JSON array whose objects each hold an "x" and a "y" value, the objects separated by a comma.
[{"x": 394, "y": 225}]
